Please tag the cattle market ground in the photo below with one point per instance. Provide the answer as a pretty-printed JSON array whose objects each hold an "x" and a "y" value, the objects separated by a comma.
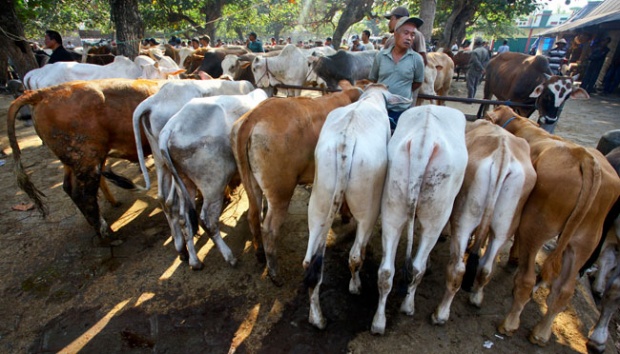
[{"x": 59, "y": 290}]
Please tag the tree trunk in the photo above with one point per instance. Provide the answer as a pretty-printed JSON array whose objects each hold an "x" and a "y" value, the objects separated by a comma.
[
  {"x": 353, "y": 12},
  {"x": 456, "y": 23},
  {"x": 129, "y": 26},
  {"x": 12, "y": 42},
  {"x": 427, "y": 14}
]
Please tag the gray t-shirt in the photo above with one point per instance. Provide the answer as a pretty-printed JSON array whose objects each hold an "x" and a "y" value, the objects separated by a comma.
[{"x": 398, "y": 77}]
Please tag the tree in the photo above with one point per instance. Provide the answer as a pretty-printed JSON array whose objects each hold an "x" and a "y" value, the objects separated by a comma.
[
  {"x": 13, "y": 43},
  {"x": 427, "y": 14},
  {"x": 352, "y": 11},
  {"x": 129, "y": 28}
]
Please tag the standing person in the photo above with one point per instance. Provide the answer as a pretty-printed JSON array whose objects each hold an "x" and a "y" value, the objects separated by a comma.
[
  {"x": 477, "y": 64},
  {"x": 366, "y": 40},
  {"x": 356, "y": 46},
  {"x": 328, "y": 42},
  {"x": 399, "y": 67},
  {"x": 204, "y": 41},
  {"x": 503, "y": 48},
  {"x": 53, "y": 41},
  {"x": 612, "y": 77},
  {"x": 556, "y": 56},
  {"x": 595, "y": 63},
  {"x": 254, "y": 44},
  {"x": 418, "y": 44},
  {"x": 195, "y": 43}
]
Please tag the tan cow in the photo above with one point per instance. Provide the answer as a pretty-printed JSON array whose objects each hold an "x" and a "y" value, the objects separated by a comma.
[
  {"x": 498, "y": 180},
  {"x": 82, "y": 122},
  {"x": 438, "y": 74},
  {"x": 575, "y": 188},
  {"x": 274, "y": 149}
]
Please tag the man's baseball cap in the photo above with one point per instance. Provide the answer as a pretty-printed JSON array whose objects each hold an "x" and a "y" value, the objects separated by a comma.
[
  {"x": 399, "y": 11},
  {"x": 417, "y": 22},
  {"x": 355, "y": 37}
]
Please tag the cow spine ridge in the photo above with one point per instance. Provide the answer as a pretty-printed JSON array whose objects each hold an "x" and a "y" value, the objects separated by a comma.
[
  {"x": 591, "y": 173},
  {"x": 23, "y": 181},
  {"x": 498, "y": 174}
]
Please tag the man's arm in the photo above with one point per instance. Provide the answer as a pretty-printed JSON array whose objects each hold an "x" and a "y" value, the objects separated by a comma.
[{"x": 415, "y": 86}]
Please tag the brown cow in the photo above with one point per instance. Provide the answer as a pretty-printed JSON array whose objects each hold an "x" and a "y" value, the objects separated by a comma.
[
  {"x": 82, "y": 122},
  {"x": 274, "y": 149},
  {"x": 527, "y": 79},
  {"x": 575, "y": 188},
  {"x": 461, "y": 62}
]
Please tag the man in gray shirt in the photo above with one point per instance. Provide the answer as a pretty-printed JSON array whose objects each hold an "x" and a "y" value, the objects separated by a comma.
[
  {"x": 399, "y": 67},
  {"x": 477, "y": 64}
]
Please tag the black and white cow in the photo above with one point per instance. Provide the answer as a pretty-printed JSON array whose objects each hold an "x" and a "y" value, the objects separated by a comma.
[{"x": 343, "y": 65}]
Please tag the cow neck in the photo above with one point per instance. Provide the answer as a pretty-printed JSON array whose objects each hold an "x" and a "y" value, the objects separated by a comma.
[
  {"x": 508, "y": 121},
  {"x": 268, "y": 73}
]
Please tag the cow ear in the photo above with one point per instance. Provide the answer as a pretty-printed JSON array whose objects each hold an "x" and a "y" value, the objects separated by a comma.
[
  {"x": 491, "y": 117},
  {"x": 579, "y": 94},
  {"x": 538, "y": 90},
  {"x": 204, "y": 76},
  {"x": 575, "y": 77},
  {"x": 312, "y": 59},
  {"x": 245, "y": 64},
  {"x": 177, "y": 72},
  {"x": 438, "y": 67},
  {"x": 393, "y": 99}
]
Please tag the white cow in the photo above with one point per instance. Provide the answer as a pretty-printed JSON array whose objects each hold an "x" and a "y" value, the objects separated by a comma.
[
  {"x": 350, "y": 164},
  {"x": 498, "y": 180},
  {"x": 438, "y": 73},
  {"x": 152, "y": 115},
  {"x": 162, "y": 68},
  {"x": 195, "y": 145},
  {"x": 57, "y": 73},
  {"x": 289, "y": 68},
  {"x": 427, "y": 160}
]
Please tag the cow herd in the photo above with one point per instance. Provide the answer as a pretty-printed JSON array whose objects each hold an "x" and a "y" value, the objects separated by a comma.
[{"x": 493, "y": 180}]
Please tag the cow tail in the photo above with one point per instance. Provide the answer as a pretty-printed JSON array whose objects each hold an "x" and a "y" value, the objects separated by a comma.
[
  {"x": 240, "y": 142},
  {"x": 344, "y": 157},
  {"x": 185, "y": 201},
  {"x": 611, "y": 217},
  {"x": 591, "y": 176},
  {"x": 23, "y": 181},
  {"x": 416, "y": 179},
  {"x": 140, "y": 117},
  {"x": 498, "y": 173}
]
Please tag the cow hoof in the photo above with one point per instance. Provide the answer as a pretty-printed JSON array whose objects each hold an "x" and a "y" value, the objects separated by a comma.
[
  {"x": 534, "y": 339},
  {"x": 501, "y": 329},
  {"x": 184, "y": 256},
  {"x": 233, "y": 262},
  {"x": 275, "y": 280},
  {"x": 260, "y": 256},
  {"x": 198, "y": 266},
  {"x": 318, "y": 322},
  {"x": 436, "y": 320},
  {"x": 594, "y": 347},
  {"x": 378, "y": 327}
]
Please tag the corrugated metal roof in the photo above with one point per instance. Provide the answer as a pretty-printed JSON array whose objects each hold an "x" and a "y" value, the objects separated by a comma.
[{"x": 608, "y": 11}]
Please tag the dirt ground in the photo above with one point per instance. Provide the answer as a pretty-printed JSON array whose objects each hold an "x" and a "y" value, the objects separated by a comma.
[{"x": 61, "y": 292}]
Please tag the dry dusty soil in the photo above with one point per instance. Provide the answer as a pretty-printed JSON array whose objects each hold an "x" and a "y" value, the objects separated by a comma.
[{"x": 60, "y": 291}]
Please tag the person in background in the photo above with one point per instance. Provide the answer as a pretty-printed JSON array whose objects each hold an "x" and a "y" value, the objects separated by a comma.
[
  {"x": 357, "y": 46},
  {"x": 254, "y": 44},
  {"x": 328, "y": 42},
  {"x": 195, "y": 43},
  {"x": 152, "y": 42},
  {"x": 556, "y": 56},
  {"x": 70, "y": 45},
  {"x": 273, "y": 41},
  {"x": 595, "y": 63},
  {"x": 218, "y": 43},
  {"x": 612, "y": 76},
  {"x": 503, "y": 48},
  {"x": 289, "y": 40},
  {"x": 477, "y": 64},
  {"x": 418, "y": 44},
  {"x": 204, "y": 41},
  {"x": 454, "y": 49},
  {"x": 366, "y": 40},
  {"x": 485, "y": 45},
  {"x": 399, "y": 67},
  {"x": 53, "y": 41}
]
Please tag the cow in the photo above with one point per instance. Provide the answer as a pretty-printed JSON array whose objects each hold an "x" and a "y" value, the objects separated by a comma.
[
  {"x": 198, "y": 136},
  {"x": 209, "y": 60},
  {"x": 611, "y": 296},
  {"x": 461, "y": 62},
  {"x": 527, "y": 79},
  {"x": 274, "y": 155},
  {"x": 99, "y": 55},
  {"x": 427, "y": 157},
  {"x": 438, "y": 73},
  {"x": 239, "y": 67},
  {"x": 351, "y": 162},
  {"x": 160, "y": 67},
  {"x": 149, "y": 118},
  {"x": 575, "y": 188},
  {"x": 343, "y": 65},
  {"x": 288, "y": 68},
  {"x": 83, "y": 123},
  {"x": 498, "y": 179}
]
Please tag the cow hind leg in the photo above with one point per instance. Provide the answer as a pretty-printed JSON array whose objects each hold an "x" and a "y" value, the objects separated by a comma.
[
  {"x": 609, "y": 305},
  {"x": 209, "y": 216},
  {"x": 271, "y": 228},
  {"x": 82, "y": 188}
]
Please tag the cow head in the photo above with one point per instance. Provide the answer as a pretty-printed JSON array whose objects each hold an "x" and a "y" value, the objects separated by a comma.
[
  {"x": 259, "y": 69},
  {"x": 551, "y": 96}
]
